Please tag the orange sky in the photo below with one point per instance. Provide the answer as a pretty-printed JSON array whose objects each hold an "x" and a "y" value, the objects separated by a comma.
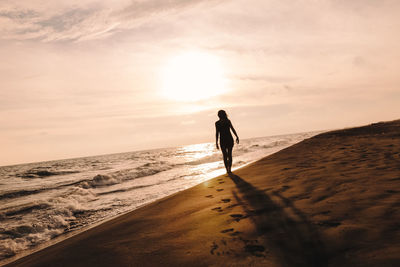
[{"x": 83, "y": 77}]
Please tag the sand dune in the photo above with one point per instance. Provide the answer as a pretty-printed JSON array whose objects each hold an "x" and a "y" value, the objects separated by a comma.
[{"x": 331, "y": 200}]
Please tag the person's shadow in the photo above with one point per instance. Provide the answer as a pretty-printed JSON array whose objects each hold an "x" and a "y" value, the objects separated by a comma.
[{"x": 291, "y": 237}]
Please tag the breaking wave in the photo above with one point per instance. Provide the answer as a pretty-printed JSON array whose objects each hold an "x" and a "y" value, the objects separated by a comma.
[
  {"x": 41, "y": 173},
  {"x": 39, "y": 201}
]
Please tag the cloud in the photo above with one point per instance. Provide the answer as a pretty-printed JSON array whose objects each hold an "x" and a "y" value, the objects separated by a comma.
[
  {"x": 66, "y": 24},
  {"x": 244, "y": 24},
  {"x": 19, "y": 15},
  {"x": 139, "y": 9},
  {"x": 84, "y": 21},
  {"x": 266, "y": 78}
]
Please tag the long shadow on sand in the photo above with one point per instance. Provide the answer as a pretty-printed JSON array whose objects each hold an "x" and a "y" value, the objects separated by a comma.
[{"x": 292, "y": 238}]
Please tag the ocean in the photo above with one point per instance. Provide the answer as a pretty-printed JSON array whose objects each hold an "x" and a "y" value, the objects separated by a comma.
[{"x": 44, "y": 200}]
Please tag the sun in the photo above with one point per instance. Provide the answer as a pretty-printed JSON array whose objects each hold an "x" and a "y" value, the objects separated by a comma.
[{"x": 193, "y": 76}]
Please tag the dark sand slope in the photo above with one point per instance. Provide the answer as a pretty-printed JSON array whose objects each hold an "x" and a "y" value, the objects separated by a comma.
[{"x": 332, "y": 200}]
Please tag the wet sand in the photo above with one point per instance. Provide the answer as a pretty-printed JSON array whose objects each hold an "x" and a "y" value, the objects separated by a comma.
[{"x": 331, "y": 200}]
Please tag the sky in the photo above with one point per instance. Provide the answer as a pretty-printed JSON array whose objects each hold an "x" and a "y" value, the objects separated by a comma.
[{"x": 88, "y": 77}]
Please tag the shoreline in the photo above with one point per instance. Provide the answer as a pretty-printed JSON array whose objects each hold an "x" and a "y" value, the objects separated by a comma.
[
  {"x": 85, "y": 228},
  {"x": 250, "y": 156},
  {"x": 324, "y": 201}
]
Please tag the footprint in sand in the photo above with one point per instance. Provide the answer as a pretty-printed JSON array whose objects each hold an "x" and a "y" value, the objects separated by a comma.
[
  {"x": 235, "y": 233},
  {"x": 329, "y": 223},
  {"x": 209, "y": 196},
  {"x": 217, "y": 209},
  {"x": 213, "y": 248},
  {"x": 255, "y": 250},
  {"x": 220, "y": 189},
  {"x": 237, "y": 217},
  {"x": 227, "y": 230},
  {"x": 225, "y": 200}
]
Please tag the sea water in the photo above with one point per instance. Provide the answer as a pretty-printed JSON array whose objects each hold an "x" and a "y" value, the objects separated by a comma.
[{"x": 44, "y": 200}]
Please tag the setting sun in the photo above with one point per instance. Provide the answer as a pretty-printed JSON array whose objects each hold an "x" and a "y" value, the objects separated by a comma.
[{"x": 193, "y": 76}]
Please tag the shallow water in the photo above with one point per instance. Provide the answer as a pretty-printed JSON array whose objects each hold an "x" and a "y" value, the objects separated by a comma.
[{"x": 40, "y": 201}]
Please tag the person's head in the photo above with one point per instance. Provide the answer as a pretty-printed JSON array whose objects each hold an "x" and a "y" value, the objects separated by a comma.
[{"x": 222, "y": 114}]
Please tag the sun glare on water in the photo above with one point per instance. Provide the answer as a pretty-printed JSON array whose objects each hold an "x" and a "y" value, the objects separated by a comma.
[{"x": 193, "y": 76}]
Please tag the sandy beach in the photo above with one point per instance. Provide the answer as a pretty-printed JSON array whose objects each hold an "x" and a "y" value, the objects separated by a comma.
[{"x": 330, "y": 200}]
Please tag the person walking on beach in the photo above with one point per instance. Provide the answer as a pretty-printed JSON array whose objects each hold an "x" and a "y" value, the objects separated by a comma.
[{"x": 223, "y": 130}]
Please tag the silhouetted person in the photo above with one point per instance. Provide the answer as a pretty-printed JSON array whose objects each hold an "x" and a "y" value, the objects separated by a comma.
[{"x": 223, "y": 130}]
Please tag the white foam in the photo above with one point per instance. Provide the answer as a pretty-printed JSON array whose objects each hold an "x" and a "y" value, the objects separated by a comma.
[{"x": 108, "y": 185}]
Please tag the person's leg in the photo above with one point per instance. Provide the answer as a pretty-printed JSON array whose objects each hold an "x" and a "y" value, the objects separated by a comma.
[
  {"x": 229, "y": 158},
  {"x": 225, "y": 156}
]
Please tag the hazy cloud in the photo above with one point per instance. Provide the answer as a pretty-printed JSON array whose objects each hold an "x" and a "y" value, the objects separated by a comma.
[
  {"x": 267, "y": 78},
  {"x": 84, "y": 21}
]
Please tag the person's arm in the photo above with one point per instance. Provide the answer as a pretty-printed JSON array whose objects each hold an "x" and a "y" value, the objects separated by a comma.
[
  {"x": 234, "y": 132},
  {"x": 216, "y": 136}
]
